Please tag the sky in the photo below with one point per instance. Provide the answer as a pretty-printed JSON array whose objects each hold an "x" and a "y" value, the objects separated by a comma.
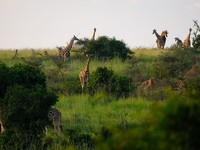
[{"x": 51, "y": 23}]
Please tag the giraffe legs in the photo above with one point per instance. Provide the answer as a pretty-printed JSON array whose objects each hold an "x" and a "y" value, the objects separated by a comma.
[
  {"x": 1, "y": 128},
  {"x": 57, "y": 127}
]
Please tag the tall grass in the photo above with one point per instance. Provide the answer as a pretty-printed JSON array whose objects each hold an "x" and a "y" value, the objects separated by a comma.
[{"x": 90, "y": 114}]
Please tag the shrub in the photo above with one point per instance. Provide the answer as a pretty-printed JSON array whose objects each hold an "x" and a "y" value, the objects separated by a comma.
[
  {"x": 26, "y": 75},
  {"x": 179, "y": 124},
  {"x": 196, "y": 38},
  {"x": 105, "y": 80},
  {"x": 107, "y": 48},
  {"x": 3, "y": 79},
  {"x": 24, "y": 107},
  {"x": 174, "y": 63}
]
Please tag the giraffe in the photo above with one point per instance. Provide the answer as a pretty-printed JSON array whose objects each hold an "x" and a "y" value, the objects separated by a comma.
[
  {"x": 84, "y": 74},
  {"x": 60, "y": 51},
  {"x": 179, "y": 43},
  {"x": 93, "y": 36},
  {"x": 55, "y": 116},
  {"x": 65, "y": 53},
  {"x": 161, "y": 39},
  {"x": 187, "y": 40},
  {"x": 1, "y": 125}
]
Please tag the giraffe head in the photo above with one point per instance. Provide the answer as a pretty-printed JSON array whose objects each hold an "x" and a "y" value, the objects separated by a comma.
[
  {"x": 75, "y": 38},
  {"x": 154, "y": 31},
  {"x": 95, "y": 29},
  {"x": 190, "y": 29},
  {"x": 177, "y": 39},
  {"x": 164, "y": 33}
]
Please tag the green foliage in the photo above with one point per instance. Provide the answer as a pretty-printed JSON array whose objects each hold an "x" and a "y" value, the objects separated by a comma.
[
  {"x": 26, "y": 75},
  {"x": 173, "y": 126},
  {"x": 107, "y": 48},
  {"x": 24, "y": 106},
  {"x": 71, "y": 85},
  {"x": 105, "y": 80},
  {"x": 196, "y": 38},
  {"x": 3, "y": 79},
  {"x": 179, "y": 124},
  {"x": 174, "y": 63},
  {"x": 52, "y": 141}
]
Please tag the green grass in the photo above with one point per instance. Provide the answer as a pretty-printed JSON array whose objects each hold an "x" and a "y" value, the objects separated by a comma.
[{"x": 90, "y": 114}]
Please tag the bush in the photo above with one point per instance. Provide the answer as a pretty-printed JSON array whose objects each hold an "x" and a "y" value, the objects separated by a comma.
[
  {"x": 105, "y": 80},
  {"x": 107, "y": 48},
  {"x": 179, "y": 124},
  {"x": 3, "y": 79},
  {"x": 196, "y": 38},
  {"x": 173, "y": 126},
  {"x": 24, "y": 107},
  {"x": 26, "y": 75},
  {"x": 174, "y": 63}
]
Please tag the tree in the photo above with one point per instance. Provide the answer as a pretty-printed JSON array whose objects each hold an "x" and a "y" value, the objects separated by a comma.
[
  {"x": 106, "y": 48},
  {"x": 196, "y": 38},
  {"x": 24, "y": 104}
]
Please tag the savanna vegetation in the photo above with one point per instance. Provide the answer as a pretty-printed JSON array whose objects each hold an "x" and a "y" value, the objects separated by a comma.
[{"x": 135, "y": 99}]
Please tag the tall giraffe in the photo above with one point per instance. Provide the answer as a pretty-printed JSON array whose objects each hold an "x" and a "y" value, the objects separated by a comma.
[
  {"x": 187, "y": 40},
  {"x": 161, "y": 39},
  {"x": 55, "y": 116},
  {"x": 65, "y": 53},
  {"x": 179, "y": 43},
  {"x": 93, "y": 36},
  {"x": 84, "y": 74}
]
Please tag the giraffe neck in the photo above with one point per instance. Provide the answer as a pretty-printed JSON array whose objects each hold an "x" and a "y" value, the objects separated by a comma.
[
  {"x": 188, "y": 37},
  {"x": 88, "y": 63},
  {"x": 69, "y": 46},
  {"x": 93, "y": 36},
  {"x": 157, "y": 35}
]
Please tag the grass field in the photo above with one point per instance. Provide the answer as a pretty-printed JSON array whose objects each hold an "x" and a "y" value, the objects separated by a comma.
[{"x": 85, "y": 118}]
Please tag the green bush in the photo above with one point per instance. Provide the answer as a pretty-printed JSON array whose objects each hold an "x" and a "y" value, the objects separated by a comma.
[
  {"x": 71, "y": 85},
  {"x": 179, "y": 124},
  {"x": 174, "y": 63},
  {"x": 105, "y": 80},
  {"x": 3, "y": 79},
  {"x": 172, "y": 126},
  {"x": 26, "y": 75},
  {"x": 106, "y": 48},
  {"x": 24, "y": 107},
  {"x": 196, "y": 38}
]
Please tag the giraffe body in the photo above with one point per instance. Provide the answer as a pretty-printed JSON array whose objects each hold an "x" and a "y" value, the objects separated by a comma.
[
  {"x": 161, "y": 39},
  {"x": 55, "y": 116},
  {"x": 187, "y": 42},
  {"x": 179, "y": 43},
  {"x": 65, "y": 53},
  {"x": 84, "y": 74}
]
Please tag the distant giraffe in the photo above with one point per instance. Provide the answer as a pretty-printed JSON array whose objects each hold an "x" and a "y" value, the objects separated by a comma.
[
  {"x": 55, "y": 116},
  {"x": 15, "y": 55},
  {"x": 84, "y": 74},
  {"x": 179, "y": 43},
  {"x": 93, "y": 36},
  {"x": 65, "y": 53},
  {"x": 1, "y": 125},
  {"x": 60, "y": 50},
  {"x": 161, "y": 39},
  {"x": 187, "y": 40}
]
